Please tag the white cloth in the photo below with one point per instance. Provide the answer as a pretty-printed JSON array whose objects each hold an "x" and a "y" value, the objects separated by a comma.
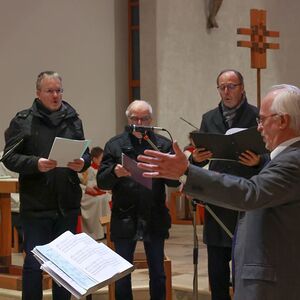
[{"x": 94, "y": 207}]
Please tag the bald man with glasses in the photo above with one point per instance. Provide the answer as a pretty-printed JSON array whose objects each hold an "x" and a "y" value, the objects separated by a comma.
[{"x": 233, "y": 111}]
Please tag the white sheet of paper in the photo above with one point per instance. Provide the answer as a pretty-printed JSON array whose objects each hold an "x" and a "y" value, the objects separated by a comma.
[
  {"x": 234, "y": 130},
  {"x": 66, "y": 150}
]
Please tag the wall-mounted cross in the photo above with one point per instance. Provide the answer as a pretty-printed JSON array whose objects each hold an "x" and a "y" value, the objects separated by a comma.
[{"x": 258, "y": 43}]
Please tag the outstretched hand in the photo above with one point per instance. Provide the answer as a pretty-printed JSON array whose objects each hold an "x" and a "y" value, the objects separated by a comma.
[{"x": 163, "y": 165}]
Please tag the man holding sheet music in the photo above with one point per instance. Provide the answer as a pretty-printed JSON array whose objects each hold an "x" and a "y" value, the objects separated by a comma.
[
  {"x": 139, "y": 211},
  {"x": 49, "y": 195},
  {"x": 232, "y": 111}
]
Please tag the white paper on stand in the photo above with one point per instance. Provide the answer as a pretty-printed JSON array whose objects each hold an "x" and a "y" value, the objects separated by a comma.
[{"x": 80, "y": 264}]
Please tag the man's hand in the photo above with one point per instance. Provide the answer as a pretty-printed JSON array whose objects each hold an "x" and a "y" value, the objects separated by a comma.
[
  {"x": 200, "y": 155},
  {"x": 120, "y": 171},
  {"x": 76, "y": 165},
  {"x": 249, "y": 159},
  {"x": 164, "y": 165},
  {"x": 45, "y": 165}
]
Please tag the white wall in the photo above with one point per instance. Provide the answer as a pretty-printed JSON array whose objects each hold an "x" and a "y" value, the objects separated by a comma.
[
  {"x": 86, "y": 41},
  {"x": 79, "y": 39},
  {"x": 180, "y": 58}
]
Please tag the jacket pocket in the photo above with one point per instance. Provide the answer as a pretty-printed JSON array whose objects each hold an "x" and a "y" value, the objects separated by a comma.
[{"x": 259, "y": 272}]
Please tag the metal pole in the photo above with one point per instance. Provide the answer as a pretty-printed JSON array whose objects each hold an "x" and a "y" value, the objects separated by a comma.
[
  {"x": 195, "y": 251},
  {"x": 217, "y": 219}
]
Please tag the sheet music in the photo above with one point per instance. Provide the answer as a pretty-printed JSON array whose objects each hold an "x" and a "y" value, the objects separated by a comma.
[
  {"x": 81, "y": 264},
  {"x": 66, "y": 150}
]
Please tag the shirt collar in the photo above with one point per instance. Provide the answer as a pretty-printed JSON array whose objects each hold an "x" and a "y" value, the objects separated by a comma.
[{"x": 283, "y": 146}]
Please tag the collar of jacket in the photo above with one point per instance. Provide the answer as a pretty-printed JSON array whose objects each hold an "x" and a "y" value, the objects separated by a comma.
[
  {"x": 66, "y": 111},
  {"x": 132, "y": 142}
]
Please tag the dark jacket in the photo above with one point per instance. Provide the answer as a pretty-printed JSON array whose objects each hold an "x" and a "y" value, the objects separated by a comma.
[
  {"x": 44, "y": 193},
  {"x": 137, "y": 212},
  {"x": 213, "y": 122}
]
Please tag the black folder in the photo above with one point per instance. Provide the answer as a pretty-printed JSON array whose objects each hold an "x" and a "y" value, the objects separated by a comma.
[{"x": 230, "y": 146}]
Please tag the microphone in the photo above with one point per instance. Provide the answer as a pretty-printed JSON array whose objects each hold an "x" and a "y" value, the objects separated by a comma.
[{"x": 142, "y": 129}]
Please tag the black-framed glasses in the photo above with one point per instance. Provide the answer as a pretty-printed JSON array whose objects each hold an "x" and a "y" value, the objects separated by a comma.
[
  {"x": 261, "y": 119},
  {"x": 229, "y": 86}
]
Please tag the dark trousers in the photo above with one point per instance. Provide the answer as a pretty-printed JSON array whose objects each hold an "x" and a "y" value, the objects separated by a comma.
[
  {"x": 40, "y": 231},
  {"x": 154, "y": 250},
  {"x": 219, "y": 272}
]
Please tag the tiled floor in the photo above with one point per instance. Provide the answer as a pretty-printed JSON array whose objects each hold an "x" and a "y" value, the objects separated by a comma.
[{"x": 179, "y": 248}]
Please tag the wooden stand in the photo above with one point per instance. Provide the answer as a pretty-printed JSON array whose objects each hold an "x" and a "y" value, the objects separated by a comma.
[{"x": 10, "y": 276}]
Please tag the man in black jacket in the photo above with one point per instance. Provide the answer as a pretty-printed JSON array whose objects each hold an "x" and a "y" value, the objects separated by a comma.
[
  {"x": 49, "y": 195},
  {"x": 138, "y": 213},
  {"x": 232, "y": 111}
]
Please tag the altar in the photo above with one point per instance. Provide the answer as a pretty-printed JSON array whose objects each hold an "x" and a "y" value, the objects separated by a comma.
[{"x": 7, "y": 186}]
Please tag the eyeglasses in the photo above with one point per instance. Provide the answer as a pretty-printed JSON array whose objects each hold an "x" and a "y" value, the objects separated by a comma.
[
  {"x": 229, "y": 86},
  {"x": 261, "y": 119},
  {"x": 57, "y": 91},
  {"x": 142, "y": 119}
]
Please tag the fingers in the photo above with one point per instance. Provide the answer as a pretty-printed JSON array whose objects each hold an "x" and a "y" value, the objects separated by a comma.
[
  {"x": 120, "y": 171},
  {"x": 249, "y": 158},
  {"x": 200, "y": 154},
  {"x": 152, "y": 174},
  {"x": 176, "y": 148},
  {"x": 147, "y": 166},
  {"x": 149, "y": 159},
  {"x": 76, "y": 165},
  {"x": 45, "y": 165},
  {"x": 155, "y": 154}
]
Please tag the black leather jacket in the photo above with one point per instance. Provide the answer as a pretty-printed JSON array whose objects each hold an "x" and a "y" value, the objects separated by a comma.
[
  {"x": 137, "y": 212},
  {"x": 56, "y": 191}
]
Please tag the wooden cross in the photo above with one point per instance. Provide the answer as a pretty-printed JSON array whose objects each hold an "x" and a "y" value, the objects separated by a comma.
[{"x": 258, "y": 44}]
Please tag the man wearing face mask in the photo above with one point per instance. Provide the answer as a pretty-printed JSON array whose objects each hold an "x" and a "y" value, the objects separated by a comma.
[
  {"x": 232, "y": 111},
  {"x": 138, "y": 213},
  {"x": 49, "y": 195}
]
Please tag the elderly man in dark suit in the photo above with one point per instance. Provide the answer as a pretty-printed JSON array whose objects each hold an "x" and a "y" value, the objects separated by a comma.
[{"x": 267, "y": 248}]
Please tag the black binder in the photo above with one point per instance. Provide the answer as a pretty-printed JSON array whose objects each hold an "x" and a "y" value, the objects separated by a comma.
[{"x": 230, "y": 146}]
